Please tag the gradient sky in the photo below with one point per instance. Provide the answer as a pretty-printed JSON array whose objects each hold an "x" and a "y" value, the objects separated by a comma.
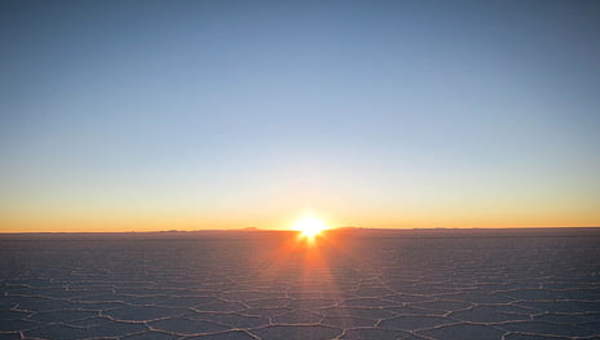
[{"x": 142, "y": 115}]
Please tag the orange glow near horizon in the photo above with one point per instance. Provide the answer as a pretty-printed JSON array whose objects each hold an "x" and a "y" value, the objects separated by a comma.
[{"x": 125, "y": 220}]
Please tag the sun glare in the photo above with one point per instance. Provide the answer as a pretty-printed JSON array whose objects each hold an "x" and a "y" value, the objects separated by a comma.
[{"x": 310, "y": 227}]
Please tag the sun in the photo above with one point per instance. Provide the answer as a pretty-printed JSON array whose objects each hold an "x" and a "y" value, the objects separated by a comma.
[{"x": 310, "y": 227}]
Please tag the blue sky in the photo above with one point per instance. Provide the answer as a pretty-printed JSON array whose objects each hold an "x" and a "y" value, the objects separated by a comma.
[{"x": 144, "y": 115}]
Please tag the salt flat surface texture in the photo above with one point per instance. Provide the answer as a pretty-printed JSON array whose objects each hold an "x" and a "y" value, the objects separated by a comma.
[{"x": 354, "y": 284}]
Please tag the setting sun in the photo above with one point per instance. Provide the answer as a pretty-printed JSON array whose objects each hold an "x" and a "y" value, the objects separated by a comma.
[{"x": 310, "y": 227}]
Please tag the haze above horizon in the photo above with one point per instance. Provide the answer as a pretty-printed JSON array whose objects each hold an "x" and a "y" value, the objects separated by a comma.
[{"x": 121, "y": 116}]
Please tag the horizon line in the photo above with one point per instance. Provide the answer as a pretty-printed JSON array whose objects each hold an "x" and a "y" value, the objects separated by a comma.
[{"x": 257, "y": 229}]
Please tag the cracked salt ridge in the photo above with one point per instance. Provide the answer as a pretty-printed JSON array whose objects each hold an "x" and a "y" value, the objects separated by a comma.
[{"x": 389, "y": 287}]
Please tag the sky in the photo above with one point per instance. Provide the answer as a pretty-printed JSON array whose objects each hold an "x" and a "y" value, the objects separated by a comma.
[{"x": 156, "y": 115}]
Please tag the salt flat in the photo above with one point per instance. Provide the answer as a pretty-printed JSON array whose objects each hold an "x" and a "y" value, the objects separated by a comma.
[{"x": 352, "y": 284}]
